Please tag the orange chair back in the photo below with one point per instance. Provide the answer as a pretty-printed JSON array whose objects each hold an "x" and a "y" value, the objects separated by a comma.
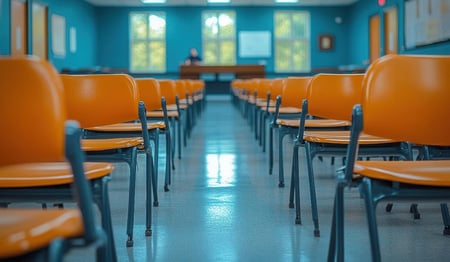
[
  {"x": 277, "y": 88},
  {"x": 167, "y": 88},
  {"x": 294, "y": 91},
  {"x": 180, "y": 88},
  {"x": 263, "y": 87},
  {"x": 96, "y": 100},
  {"x": 197, "y": 85},
  {"x": 190, "y": 86},
  {"x": 334, "y": 95},
  {"x": 422, "y": 84},
  {"x": 31, "y": 95},
  {"x": 149, "y": 93}
]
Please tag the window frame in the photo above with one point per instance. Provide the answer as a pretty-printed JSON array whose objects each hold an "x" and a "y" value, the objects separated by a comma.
[
  {"x": 292, "y": 39},
  {"x": 219, "y": 40},
  {"x": 147, "y": 40}
]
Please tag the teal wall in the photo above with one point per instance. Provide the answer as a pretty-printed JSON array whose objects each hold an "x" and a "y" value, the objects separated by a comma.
[
  {"x": 184, "y": 31},
  {"x": 359, "y": 31},
  {"x": 78, "y": 14},
  {"x": 103, "y": 32},
  {"x": 4, "y": 27}
]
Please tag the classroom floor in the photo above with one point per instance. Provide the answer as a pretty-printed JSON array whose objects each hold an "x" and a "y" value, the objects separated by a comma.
[{"x": 224, "y": 206}]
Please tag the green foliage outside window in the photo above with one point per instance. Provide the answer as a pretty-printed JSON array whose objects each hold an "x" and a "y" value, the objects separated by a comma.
[
  {"x": 219, "y": 37},
  {"x": 292, "y": 49},
  {"x": 147, "y": 42}
]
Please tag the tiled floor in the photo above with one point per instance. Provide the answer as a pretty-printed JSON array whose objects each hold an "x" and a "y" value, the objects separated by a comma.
[{"x": 223, "y": 206}]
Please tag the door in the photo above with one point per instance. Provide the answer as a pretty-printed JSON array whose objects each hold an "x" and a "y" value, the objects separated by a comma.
[
  {"x": 374, "y": 38},
  {"x": 18, "y": 27},
  {"x": 39, "y": 33},
  {"x": 390, "y": 31}
]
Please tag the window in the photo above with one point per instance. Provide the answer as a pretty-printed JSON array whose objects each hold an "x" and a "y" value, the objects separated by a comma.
[
  {"x": 219, "y": 37},
  {"x": 292, "y": 41},
  {"x": 148, "y": 42}
]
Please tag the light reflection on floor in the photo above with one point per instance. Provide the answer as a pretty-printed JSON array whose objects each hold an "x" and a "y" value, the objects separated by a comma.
[{"x": 220, "y": 170}]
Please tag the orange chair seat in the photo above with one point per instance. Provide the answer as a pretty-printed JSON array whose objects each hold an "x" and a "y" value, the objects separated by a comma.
[
  {"x": 286, "y": 110},
  {"x": 431, "y": 173},
  {"x": 160, "y": 114},
  {"x": 319, "y": 123},
  {"x": 198, "y": 97},
  {"x": 263, "y": 103},
  {"x": 185, "y": 102},
  {"x": 127, "y": 127},
  {"x": 26, "y": 230},
  {"x": 48, "y": 174},
  {"x": 342, "y": 137},
  {"x": 174, "y": 107},
  {"x": 110, "y": 143}
]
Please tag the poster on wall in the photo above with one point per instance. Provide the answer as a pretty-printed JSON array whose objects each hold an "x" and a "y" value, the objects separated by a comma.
[
  {"x": 58, "y": 36},
  {"x": 426, "y": 22},
  {"x": 254, "y": 44}
]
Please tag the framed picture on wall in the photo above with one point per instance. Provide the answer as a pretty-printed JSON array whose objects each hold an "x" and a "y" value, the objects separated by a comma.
[{"x": 326, "y": 42}]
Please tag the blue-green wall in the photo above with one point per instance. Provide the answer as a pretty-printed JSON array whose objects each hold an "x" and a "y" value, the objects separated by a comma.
[
  {"x": 184, "y": 31},
  {"x": 103, "y": 32},
  {"x": 78, "y": 14},
  {"x": 4, "y": 27},
  {"x": 359, "y": 31}
]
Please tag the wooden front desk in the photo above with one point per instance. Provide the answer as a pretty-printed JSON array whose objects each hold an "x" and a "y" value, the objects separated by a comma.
[{"x": 239, "y": 71}]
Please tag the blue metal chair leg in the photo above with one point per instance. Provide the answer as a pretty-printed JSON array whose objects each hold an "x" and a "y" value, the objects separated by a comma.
[
  {"x": 102, "y": 200},
  {"x": 366, "y": 187},
  {"x": 339, "y": 223},
  {"x": 312, "y": 188},
  {"x": 295, "y": 171},
  {"x": 271, "y": 150},
  {"x": 169, "y": 160},
  {"x": 149, "y": 187},
  {"x": 292, "y": 186},
  {"x": 281, "y": 133},
  {"x": 332, "y": 244},
  {"x": 131, "y": 196},
  {"x": 445, "y": 219}
]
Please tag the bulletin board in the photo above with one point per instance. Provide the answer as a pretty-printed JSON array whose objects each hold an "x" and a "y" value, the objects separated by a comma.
[
  {"x": 255, "y": 44},
  {"x": 426, "y": 22}
]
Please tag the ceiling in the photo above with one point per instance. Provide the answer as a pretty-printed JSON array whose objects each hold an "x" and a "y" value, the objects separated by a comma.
[{"x": 233, "y": 3}]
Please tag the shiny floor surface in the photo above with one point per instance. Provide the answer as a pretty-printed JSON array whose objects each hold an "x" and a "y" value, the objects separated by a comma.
[{"x": 224, "y": 206}]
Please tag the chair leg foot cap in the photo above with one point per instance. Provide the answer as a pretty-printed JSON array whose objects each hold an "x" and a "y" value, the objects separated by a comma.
[
  {"x": 298, "y": 221},
  {"x": 316, "y": 232},
  {"x": 389, "y": 207},
  {"x": 446, "y": 231},
  {"x": 130, "y": 243},
  {"x": 291, "y": 205},
  {"x": 281, "y": 184},
  {"x": 148, "y": 232},
  {"x": 155, "y": 203},
  {"x": 166, "y": 189}
]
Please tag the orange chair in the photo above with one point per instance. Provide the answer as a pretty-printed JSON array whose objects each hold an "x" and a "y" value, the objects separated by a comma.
[
  {"x": 263, "y": 104},
  {"x": 332, "y": 96},
  {"x": 113, "y": 101},
  {"x": 186, "y": 104},
  {"x": 275, "y": 90},
  {"x": 285, "y": 116},
  {"x": 149, "y": 92},
  {"x": 167, "y": 88},
  {"x": 41, "y": 161},
  {"x": 119, "y": 114},
  {"x": 404, "y": 98}
]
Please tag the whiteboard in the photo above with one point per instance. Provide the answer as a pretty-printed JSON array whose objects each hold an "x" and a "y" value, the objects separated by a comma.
[{"x": 255, "y": 44}]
